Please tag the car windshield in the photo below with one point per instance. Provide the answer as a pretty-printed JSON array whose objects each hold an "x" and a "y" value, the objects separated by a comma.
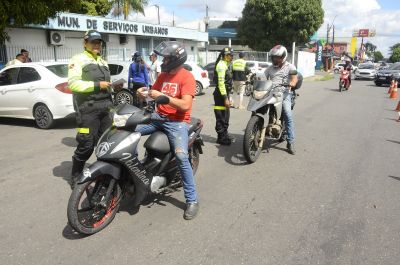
[
  {"x": 248, "y": 64},
  {"x": 60, "y": 70},
  {"x": 366, "y": 66},
  {"x": 395, "y": 67}
]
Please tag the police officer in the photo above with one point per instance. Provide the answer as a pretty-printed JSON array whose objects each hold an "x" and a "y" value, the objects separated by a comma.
[
  {"x": 223, "y": 81},
  {"x": 239, "y": 80},
  {"x": 89, "y": 79}
]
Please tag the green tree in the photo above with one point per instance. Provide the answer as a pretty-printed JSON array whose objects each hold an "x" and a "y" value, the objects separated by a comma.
[
  {"x": 19, "y": 13},
  {"x": 395, "y": 57},
  {"x": 265, "y": 23},
  {"x": 378, "y": 56},
  {"x": 94, "y": 7},
  {"x": 124, "y": 6}
]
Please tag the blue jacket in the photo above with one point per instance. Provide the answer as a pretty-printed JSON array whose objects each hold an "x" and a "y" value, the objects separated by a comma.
[{"x": 141, "y": 76}]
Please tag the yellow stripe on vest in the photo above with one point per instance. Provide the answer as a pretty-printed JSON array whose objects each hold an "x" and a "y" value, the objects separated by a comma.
[
  {"x": 220, "y": 107},
  {"x": 83, "y": 130}
]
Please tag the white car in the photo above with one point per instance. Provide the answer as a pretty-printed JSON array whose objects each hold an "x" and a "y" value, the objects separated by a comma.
[
  {"x": 200, "y": 75},
  {"x": 365, "y": 71},
  {"x": 37, "y": 91},
  {"x": 258, "y": 68}
]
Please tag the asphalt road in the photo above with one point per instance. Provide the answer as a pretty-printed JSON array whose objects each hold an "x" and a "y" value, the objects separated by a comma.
[{"x": 337, "y": 201}]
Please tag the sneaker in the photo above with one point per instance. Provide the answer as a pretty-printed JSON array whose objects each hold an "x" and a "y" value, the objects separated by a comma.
[
  {"x": 291, "y": 149},
  {"x": 192, "y": 208}
]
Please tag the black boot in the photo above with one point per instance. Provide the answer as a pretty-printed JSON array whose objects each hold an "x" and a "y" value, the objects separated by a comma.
[
  {"x": 223, "y": 139},
  {"x": 291, "y": 150},
  {"x": 77, "y": 168}
]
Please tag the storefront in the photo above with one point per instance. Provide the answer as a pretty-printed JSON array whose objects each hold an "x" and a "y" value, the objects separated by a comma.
[{"x": 62, "y": 37}]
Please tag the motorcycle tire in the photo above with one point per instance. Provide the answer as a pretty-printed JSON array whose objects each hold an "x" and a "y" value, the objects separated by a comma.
[
  {"x": 194, "y": 157},
  {"x": 251, "y": 139},
  {"x": 341, "y": 87},
  {"x": 248, "y": 90},
  {"x": 98, "y": 217}
]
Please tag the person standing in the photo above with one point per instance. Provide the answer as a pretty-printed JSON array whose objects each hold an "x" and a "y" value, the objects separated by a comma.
[
  {"x": 154, "y": 68},
  {"x": 223, "y": 81},
  {"x": 239, "y": 80},
  {"x": 26, "y": 54},
  {"x": 19, "y": 59},
  {"x": 173, "y": 119},
  {"x": 278, "y": 73},
  {"x": 89, "y": 80},
  {"x": 138, "y": 77}
]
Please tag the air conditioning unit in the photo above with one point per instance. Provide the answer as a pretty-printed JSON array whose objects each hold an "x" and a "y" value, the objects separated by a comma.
[{"x": 57, "y": 38}]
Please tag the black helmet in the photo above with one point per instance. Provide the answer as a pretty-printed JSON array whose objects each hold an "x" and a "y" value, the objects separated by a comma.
[
  {"x": 227, "y": 50},
  {"x": 92, "y": 35},
  {"x": 241, "y": 54},
  {"x": 174, "y": 51}
]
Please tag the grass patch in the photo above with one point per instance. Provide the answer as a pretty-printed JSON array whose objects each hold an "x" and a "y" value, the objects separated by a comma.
[{"x": 325, "y": 77}]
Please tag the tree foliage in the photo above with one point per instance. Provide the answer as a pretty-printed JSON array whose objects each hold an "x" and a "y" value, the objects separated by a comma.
[
  {"x": 94, "y": 7},
  {"x": 395, "y": 57},
  {"x": 19, "y": 13},
  {"x": 124, "y": 6},
  {"x": 378, "y": 56},
  {"x": 265, "y": 23}
]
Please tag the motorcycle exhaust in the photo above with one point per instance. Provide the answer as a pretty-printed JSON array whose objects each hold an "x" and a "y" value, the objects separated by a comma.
[{"x": 157, "y": 182}]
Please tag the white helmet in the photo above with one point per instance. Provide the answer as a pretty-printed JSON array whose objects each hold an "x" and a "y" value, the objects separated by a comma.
[{"x": 278, "y": 51}]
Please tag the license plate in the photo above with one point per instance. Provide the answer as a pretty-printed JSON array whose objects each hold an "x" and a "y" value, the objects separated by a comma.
[{"x": 382, "y": 78}]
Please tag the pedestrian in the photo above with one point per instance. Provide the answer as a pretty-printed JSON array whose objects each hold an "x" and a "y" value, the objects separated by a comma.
[
  {"x": 154, "y": 68},
  {"x": 278, "y": 73},
  {"x": 89, "y": 80},
  {"x": 138, "y": 77},
  {"x": 173, "y": 119},
  {"x": 19, "y": 59},
  {"x": 239, "y": 80},
  {"x": 26, "y": 54},
  {"x": 223, "y": 81}
]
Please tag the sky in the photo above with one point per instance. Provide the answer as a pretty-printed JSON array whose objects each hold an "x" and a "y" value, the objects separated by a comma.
[{"x": 347, "y": 15}]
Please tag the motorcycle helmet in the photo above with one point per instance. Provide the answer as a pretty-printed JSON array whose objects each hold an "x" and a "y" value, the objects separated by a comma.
[
  {"x": 278, "y": 51},
  {"x": 174, "y": 51},
  {"x": 136, "y": 57}
]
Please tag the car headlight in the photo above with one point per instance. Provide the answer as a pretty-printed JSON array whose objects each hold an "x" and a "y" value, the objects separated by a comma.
[
  {"x": 120, "y": 120},
  {"x": 260, "y": 94}
]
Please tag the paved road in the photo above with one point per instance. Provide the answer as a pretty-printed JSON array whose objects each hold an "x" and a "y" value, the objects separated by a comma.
[{"x": 335, "y": 202}]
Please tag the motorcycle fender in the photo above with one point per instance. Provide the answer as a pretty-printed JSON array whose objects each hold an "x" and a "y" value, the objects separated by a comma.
[
  {"x": 264, "y": 117},
  {"x": 99, "y": 168}
]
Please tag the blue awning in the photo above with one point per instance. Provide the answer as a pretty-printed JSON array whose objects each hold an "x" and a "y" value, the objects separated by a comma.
[{"x": 222, "y": 33}]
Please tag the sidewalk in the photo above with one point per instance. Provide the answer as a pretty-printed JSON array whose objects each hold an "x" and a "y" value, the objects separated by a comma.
[{"x": 320, "y": 76}]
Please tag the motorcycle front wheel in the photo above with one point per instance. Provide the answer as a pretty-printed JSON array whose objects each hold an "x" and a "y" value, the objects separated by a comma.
[
  {"x": 248, "y": 89},
  {"x": 252, "y": 138},
  {"x": 341, "y": 85},
  {"x": 87, "y": 211}
]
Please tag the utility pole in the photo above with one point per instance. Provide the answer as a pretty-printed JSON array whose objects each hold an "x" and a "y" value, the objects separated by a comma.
[
  {"x": 173, "y": 19},
  {"x": 158, "y": 13},
  {"x": 206, "y": 29},
  {"x": 333, "y": 39},
  {"x": 326, "y": 48}
]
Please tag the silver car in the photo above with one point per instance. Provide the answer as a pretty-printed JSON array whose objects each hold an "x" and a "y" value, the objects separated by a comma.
[{"x": 365, "y": 71}]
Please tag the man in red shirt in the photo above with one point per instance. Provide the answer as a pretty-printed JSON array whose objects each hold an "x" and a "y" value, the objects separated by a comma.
[{"x": 179, "y": 85}]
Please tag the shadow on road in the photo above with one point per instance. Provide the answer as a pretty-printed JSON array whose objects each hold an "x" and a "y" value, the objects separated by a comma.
[
  {"x": 69, "y": 141},
  {"x": 393, "y": 177},
  {"x": 69, "y": 233},
  {"x": 17, "y": 122},
  {"x": 392, "y": 141}
]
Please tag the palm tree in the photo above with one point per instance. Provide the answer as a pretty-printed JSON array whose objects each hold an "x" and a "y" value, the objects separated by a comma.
[{"x": 123, "y": 6}]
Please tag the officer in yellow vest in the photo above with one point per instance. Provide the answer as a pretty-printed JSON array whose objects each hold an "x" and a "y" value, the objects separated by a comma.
[
  {"x": 223, "y": 81},
  {"x": 89, "y": 79},
  {"x": 239, "y": 80}
]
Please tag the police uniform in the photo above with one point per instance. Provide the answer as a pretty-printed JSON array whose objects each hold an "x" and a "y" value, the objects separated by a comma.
[
  {"x": 223, "y": 80},
  {"x": 90, "y": 103}
]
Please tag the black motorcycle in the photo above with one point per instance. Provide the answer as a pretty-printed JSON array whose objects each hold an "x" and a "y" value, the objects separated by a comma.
[{"x": 118, "y": 171}]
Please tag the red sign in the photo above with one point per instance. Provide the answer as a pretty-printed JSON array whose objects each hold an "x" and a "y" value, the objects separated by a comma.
[{"x": 363, "y": 33}]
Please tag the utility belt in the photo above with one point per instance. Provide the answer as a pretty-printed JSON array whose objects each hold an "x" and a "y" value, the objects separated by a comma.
[{"x": 90, "y": 98}]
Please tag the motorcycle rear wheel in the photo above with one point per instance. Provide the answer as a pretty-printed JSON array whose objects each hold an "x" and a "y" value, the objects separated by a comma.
[
  {"x": 85, "y": 214},
  {"x": 251, "y": 140}
]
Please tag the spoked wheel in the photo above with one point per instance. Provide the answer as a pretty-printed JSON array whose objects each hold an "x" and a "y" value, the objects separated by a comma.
[
  {"x": 88, "y": 211},
  {"x": 252, "y": 138},
  {"x": 194, "y": 157},
  {"x": 124, "y": 97}
]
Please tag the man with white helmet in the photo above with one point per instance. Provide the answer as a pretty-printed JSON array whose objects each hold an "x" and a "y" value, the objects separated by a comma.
[{"x": 278, "y": 73}]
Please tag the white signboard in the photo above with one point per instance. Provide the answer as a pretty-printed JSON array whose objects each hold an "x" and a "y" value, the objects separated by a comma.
[{"x": 306, "y": 63}]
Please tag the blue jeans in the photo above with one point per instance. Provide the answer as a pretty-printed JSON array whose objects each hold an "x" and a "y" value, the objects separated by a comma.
[
  {"x": 178, "y": 137},
  {"x": 287, "y": 116}
]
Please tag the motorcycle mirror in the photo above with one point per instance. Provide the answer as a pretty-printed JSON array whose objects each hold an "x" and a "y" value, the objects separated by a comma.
[
  {"x": 162, "y": 100},
  {"x": 293, "y": 72}
]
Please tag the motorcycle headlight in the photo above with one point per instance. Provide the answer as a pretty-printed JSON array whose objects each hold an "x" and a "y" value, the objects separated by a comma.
[
  {"x": 260, "y": 94},
  {"x": 120, "y": 120}
]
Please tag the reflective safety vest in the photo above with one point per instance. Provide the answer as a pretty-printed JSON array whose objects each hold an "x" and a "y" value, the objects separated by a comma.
[
  {"x": 239, "y": 73},
  {"x": 84, "y": 75},
  {"x": 223, "y": 78}
]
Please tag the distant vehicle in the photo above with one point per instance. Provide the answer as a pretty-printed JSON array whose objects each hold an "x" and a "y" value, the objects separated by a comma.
[
  {"x": 37, "y": 91},
  {"x": 339, "y": 66},
  {"x": 385, "y": 76},
  {"x": 365, "y": 71},
  {"x": 200, "y": 75},
  {"x": 210, "y": 69},
  {"x": 258, "y": 68}
]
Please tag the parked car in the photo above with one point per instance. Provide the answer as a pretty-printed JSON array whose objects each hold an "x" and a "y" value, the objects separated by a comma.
[
  {"x": 200, "y": 75},
  {"x": 258, "y": 68},
  {"x": 365, "y": 71},
  {"x": 120, "y": 70},
  {"x": 385, "y": 76},
  {"x": 210, "y": 70},
  {"x": 37, "y": 91}
]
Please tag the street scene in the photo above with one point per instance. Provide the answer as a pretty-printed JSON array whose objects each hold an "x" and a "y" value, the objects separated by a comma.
[{"x": 189, "y": 132}]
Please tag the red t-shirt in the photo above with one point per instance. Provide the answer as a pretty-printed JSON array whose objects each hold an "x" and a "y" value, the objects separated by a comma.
[{"x": 175, "y": 85}]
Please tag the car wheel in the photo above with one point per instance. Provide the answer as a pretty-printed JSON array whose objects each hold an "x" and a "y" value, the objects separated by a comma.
[
  {"x": 199, "y": 88},
  {"x": 378, "y": 84},
  {"x": 43, "y": 117},
  {"x": 124, "y": 97}
]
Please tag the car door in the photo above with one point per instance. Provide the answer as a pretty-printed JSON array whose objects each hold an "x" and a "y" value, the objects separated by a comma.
[
  {"x": 8, "y": 82},
  {"x": 20, "y": 97}
]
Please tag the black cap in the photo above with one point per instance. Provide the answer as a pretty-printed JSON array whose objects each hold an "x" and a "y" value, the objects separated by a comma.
[
  {"x": 23, "y": 50},
  {"x": 92, "y": 35}
]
